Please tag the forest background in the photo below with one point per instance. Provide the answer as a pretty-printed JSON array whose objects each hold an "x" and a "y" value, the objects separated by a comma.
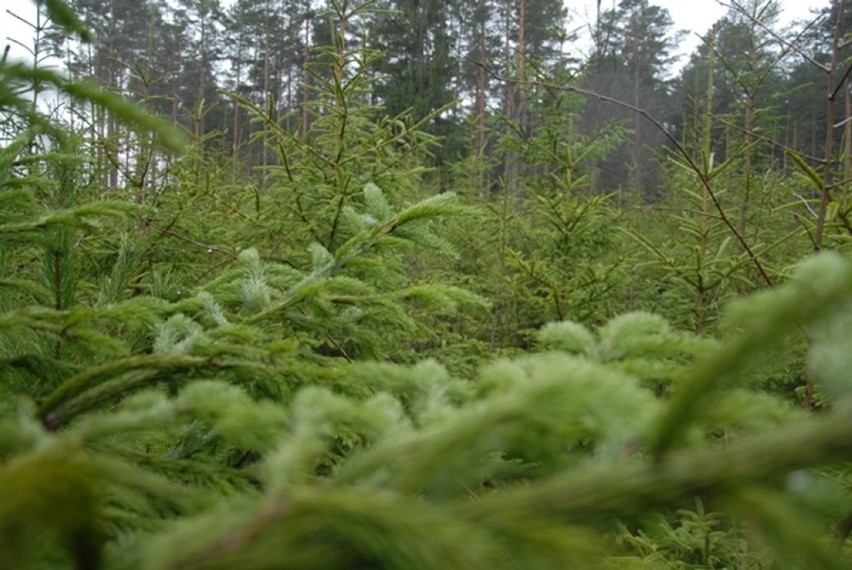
[{"x": 410, "y": 285}]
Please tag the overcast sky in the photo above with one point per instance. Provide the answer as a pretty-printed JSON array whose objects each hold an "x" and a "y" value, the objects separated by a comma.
[{"x": 693, "y": 15}]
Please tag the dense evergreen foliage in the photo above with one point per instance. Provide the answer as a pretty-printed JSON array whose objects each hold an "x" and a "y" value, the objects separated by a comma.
[{"x": 407, "y": 285}]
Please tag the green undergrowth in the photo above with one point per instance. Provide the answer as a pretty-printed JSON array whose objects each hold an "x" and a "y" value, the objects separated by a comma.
[{"x": 307, "y": 370}]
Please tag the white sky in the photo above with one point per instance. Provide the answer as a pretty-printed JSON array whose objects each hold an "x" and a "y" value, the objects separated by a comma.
[{"x": 693, "y": 15}]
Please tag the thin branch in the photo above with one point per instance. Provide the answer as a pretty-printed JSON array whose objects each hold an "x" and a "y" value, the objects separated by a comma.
[
  {"x": 705, "y": 180},
  {"x": 766, "y": 139},
  {"x": 791, "y": 45},
  {"x": 842, "y": 82},
  {"x": 801, "y": 222},
  {"x": 181, "y": 237},
  {"x": 689, "y": 210},
  {"x": 840, "y": 184},
  {"x": 807, "y": 206},
  {"x": 22, "y": 20}
]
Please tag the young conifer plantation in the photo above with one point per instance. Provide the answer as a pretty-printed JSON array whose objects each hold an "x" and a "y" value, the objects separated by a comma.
[{"x": 392, "y": 285}]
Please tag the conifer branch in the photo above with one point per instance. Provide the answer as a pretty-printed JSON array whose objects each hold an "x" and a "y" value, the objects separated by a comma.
[
  {"x": 587, "y": 497},
  {"x": 354, "y": 247},
  {"x": 791, "y": 45},
  {"x": 143, "y": 370},
  {"x": 205, "y": 246},
  {"x": 816, "y": 287},
  {"x": 693, "y": 165},
  {"x": 598, "y": 493},
  {"x": 766, "y": 139}
]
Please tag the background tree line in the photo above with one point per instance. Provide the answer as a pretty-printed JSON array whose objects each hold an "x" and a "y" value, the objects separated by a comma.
[{"x": 441, "y": 62}]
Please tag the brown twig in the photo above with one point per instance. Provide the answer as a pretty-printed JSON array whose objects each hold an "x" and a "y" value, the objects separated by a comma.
[{"x": 702, "y": 176}]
